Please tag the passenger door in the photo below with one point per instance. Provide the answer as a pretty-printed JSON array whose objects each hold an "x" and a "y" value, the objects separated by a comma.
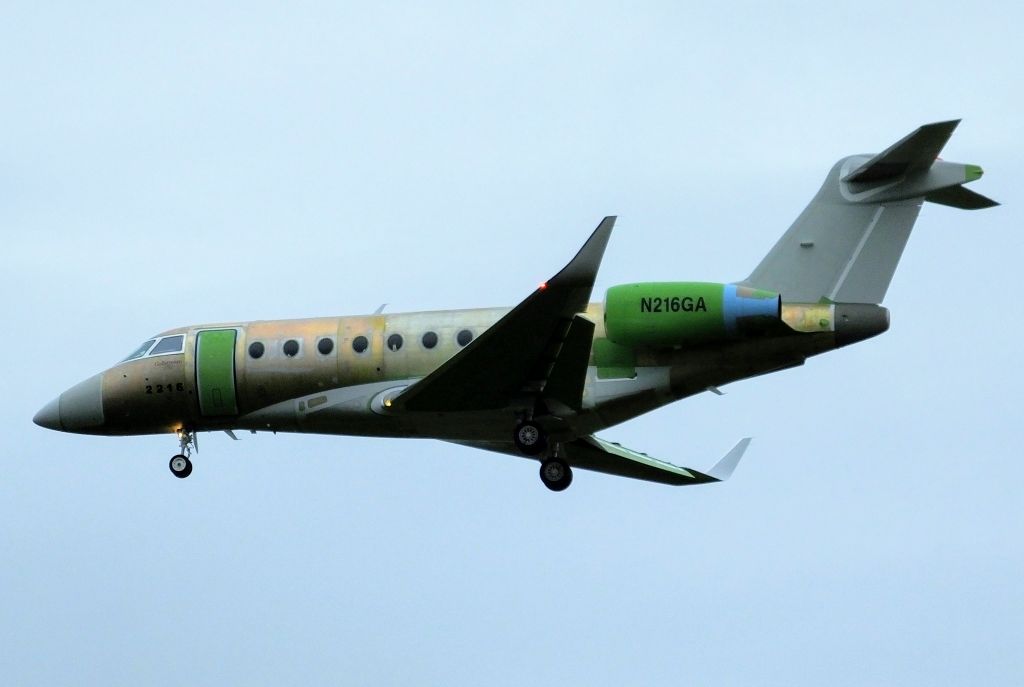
[{"x": 215, "y": 372}]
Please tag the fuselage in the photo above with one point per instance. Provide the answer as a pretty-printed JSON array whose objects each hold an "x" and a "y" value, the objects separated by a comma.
[{"x": 337, "y": 375}]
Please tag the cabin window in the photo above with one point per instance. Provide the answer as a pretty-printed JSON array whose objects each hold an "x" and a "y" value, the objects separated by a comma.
[
  {"x": 360, "y": 344},
  {"x": 169, "y": 344},
  {"x": 291, "y": 348},
  {"x": 256, "y": 350},
  {"x": 395, "y": 342},
  {"x": 325, "y": 345},
  {"x": 429, "y": 340},
  {"x": 140, "y": 351},
  {"x": 464, "y": 337}
]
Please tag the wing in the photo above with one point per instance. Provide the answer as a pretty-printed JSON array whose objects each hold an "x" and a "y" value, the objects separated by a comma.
[
  {"x": 514, "y": 358},
  {"x": 593, "y": 453}
]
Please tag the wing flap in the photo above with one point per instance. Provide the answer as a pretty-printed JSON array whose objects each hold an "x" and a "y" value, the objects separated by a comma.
[{"x": 569, "y": 373}]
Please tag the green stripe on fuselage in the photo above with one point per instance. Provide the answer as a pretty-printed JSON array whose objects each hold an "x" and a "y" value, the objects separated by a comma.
[{"x": 215, "y": 372}]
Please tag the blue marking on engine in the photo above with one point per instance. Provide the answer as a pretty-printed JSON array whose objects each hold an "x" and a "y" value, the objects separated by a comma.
[{"x": 736, "y": 307}]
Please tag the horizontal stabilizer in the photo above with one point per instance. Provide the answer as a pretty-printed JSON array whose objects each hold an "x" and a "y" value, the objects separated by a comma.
[
  {"x": 962, "y": 198},
  {"x": 914, "y": 152}
]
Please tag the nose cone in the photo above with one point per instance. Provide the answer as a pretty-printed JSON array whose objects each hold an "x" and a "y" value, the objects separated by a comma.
[
  {"x": 79, "y": 409},
  {"x": 49, "y": 416}
]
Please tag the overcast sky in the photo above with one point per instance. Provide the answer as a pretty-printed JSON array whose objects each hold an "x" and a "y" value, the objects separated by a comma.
[{"x": 164, "y": 165}]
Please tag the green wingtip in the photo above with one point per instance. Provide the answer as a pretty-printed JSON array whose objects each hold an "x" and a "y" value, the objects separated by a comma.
[{"x": 972, "y": 172}]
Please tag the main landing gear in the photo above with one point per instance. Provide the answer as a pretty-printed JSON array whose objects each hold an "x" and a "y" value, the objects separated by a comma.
[
  {"x": 181, "y": 466},
  {"x": 530, "y": 439},
  {"x": 556, "y": 474}
]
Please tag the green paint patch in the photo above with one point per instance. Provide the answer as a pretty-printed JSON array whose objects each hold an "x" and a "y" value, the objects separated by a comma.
[
  {"x": 215, "y": 372},
  {"x": 614, "y": 361},
  {"x": 972, "y": 173},
  {"x": 664, "y": 313}
]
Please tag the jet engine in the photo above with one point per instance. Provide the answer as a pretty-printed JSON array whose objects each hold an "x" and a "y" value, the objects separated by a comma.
[{"x": 668, "y": 314}]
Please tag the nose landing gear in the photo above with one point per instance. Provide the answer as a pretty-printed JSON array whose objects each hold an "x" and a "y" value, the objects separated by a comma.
[{"x": 181, "y": 466}]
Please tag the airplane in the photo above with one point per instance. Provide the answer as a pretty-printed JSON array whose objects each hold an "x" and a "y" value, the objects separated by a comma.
[{"x": 540, "y": 379}]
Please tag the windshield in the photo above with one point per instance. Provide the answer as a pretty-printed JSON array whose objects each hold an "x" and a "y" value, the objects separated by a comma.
[
  {"x": 140, "y": 351},
  {"x": 169, "y": 344}
]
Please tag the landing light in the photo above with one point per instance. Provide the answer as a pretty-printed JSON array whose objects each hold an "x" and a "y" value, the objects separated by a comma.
[{"x": 384, "y": 400}]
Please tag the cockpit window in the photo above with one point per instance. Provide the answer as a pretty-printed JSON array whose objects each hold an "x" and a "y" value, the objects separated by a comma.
[
  {"x": 169, "y": 344},
  {"x": 140, "y": 351}
]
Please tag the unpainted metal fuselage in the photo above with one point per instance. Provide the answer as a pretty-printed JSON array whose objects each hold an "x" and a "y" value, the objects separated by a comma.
[{"x": 348, "y": 392}]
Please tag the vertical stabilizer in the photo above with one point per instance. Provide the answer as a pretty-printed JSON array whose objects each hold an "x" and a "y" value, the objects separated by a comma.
[{"x": 846, "y": 243}]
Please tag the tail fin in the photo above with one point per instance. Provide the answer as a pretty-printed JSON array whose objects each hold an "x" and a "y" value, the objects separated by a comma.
[{"x": 846, "y": 243}]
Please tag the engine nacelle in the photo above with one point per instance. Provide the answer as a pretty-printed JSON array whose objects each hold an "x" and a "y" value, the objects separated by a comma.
[{"x": 686, "y": 313}]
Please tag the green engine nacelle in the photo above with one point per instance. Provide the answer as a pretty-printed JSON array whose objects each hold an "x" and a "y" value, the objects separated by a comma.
[{"x": 679, "y": 313}]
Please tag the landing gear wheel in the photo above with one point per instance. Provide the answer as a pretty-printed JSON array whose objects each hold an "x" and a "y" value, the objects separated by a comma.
[
  {"x": 181, "y": 466},
  {"x": 529, "y": 438},
  {"x": 556, "y": 474}
]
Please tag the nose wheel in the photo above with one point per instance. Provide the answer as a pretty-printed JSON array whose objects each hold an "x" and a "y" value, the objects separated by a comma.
[
  {"x": 556, "y": 474},
  {"x": 181, "y": 465}
]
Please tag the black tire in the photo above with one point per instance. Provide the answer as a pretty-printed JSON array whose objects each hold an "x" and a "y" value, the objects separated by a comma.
[
  {"x": 556, "y": 474},
  {"x": 529, "y": 438},
  {"x": 181, "y": 467}
]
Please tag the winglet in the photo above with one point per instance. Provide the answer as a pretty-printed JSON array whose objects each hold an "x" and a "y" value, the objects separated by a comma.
[
  {"x": 582, "y": 269},
  {"x": 723, "y": 468}
]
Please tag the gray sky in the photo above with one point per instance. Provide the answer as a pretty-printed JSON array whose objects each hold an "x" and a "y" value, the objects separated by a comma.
[{"x": 177, "y": 164}]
